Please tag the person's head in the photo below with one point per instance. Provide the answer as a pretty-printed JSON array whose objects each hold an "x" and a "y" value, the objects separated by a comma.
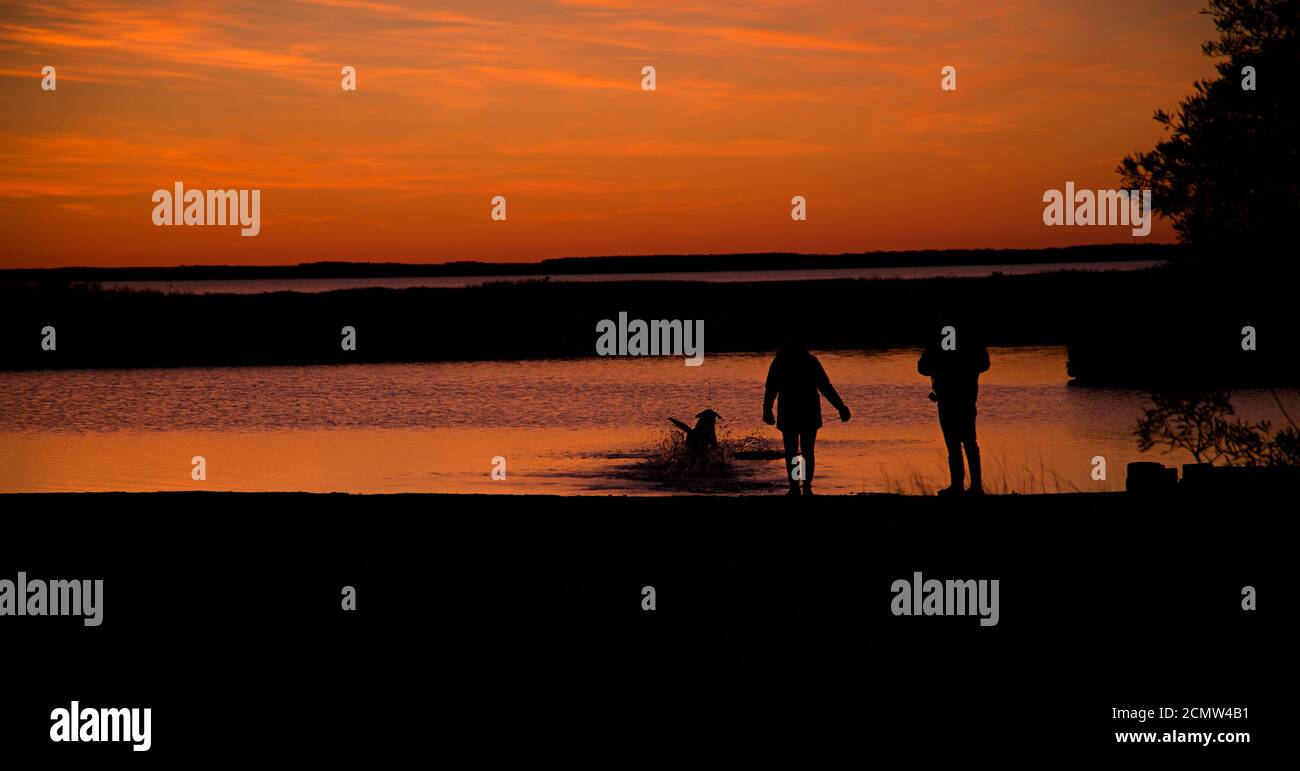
[
  {"x": 954, "y": 333},
  {"x": 793, "y": 337}
]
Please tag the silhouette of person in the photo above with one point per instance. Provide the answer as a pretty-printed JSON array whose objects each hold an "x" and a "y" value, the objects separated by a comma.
[
  {"x": 793, "y": 382},
  {"x": 954, "y": 369}
]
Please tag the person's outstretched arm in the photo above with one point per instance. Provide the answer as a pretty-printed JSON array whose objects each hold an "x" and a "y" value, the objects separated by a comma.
[{"x": 828, "y": 390}]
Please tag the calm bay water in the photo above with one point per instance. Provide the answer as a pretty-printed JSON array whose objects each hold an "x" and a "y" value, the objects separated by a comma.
[
  {"x": 311, "y": 285},
  {"x": 589, "y": 426}
]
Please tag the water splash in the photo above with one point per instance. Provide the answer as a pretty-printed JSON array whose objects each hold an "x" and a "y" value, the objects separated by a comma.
[{"x": 729, "y": 467}]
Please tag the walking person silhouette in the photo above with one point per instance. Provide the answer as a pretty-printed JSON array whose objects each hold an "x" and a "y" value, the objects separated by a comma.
[
  {"x": 793, "y": 382},
  {"x": 955, "y": 372}
]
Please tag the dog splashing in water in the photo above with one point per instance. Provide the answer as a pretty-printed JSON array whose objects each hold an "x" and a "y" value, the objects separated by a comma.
[
  {"x": 699, "y": 459},
  {"x": 703, "y": 436}
]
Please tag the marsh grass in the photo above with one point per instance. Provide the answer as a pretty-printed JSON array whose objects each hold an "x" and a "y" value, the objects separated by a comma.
[{"x": 1028, "y": 475}]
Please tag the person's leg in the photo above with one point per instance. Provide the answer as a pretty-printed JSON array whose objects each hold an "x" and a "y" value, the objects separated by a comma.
[
  {"x": 808, "y": 445},
  {"x": 973, "y": 453},
  {"x": 950, "y": 424},
  {"x": 791, "y": 439}
]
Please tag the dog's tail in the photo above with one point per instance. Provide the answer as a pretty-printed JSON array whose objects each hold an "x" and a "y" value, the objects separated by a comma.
[{"x": 680, "y": 425}]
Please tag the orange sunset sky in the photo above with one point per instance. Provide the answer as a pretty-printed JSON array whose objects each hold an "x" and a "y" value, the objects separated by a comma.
[{"x": 541, "y": 102}]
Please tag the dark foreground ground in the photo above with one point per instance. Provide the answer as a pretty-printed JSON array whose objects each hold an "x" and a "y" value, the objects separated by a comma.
[{"x": 487, "y": 625}]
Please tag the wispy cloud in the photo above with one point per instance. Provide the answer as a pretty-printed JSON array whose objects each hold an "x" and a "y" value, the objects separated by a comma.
[{"x": 757, "y": 100}]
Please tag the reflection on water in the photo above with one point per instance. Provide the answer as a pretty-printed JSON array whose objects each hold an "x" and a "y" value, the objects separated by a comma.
[{"x": 584, "y": 426}]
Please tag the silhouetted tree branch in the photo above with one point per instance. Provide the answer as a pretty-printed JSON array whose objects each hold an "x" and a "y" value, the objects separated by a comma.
[
  {"x": 1228, "y": 172},
  {"x": 1204, "y": 424}
]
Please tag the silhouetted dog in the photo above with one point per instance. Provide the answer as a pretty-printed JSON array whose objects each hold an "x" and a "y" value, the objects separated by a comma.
[{"x": 704, "y": 435}]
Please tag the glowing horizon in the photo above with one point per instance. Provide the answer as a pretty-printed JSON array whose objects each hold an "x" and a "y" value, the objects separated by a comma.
[{"x": 755, "y": 103}]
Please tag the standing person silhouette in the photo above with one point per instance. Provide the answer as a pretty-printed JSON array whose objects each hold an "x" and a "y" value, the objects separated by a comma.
[
  {"x": 955, "y": 372},
  {"x": 793, "y": 381}
]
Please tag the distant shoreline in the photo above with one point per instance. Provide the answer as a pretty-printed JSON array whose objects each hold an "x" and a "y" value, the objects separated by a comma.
[
  {"x": 1114, "y": 324},
  {"x": 1017, "y": 501},
  {"x": 660, "y": 263}
]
